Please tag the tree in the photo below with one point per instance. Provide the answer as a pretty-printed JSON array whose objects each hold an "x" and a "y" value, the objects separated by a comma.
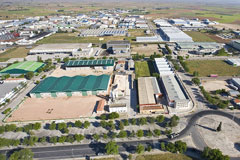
[
  {"x": 171, "y": 147},
  {"x": 163, "y": 147},
  {"x": 29, "y": 75},
  {"x": 195, "y": 74},
  {"x": 53, "y": 139},
  {"x": 66, "y": 59},
  {"x": 132, "y": 134},
  {"x": 151, "y": 120},
  {"x": 157, "y": 132},
  {"x": 149, "y": 148},
  {"x": 180, "y": 146},
  {"x": 104, "y": 136},
  {"x": 160, "y": 118},
  {"x": 168, "y": 49},
  {"x": 78, "y": 124},
  {"x": 36, "y": 126},
  {"x": 142, "y": 121},
  {"x": 70, "y": 139},
  {"x": 140, "y": 149},
  {"x": 62, "y": 139},
  {"x": 133, "y": 121},
  {"x": 78, "y": 137},
  {"x": 122, "y": 134},
  {"x": 149, "y": 133},
  {"x": 96, "y": 137},
  {"x": 113, "y": 115},
  {"x": 111, "y": 148},
  {"x": 86, "y": 124},
  {"x": 196, "y": 81},
  {"x": 140, "y": 133},
  {"x": 213, "y": 154},
  {"x": 219, "y": 128},
  {"x": 61, "y": 126},
  {"x": 121, "y": 125},
  {"x": 103, "y": 124},
  {"x": 52, "y": 126},
  {"x": 65, "y": 130},
  {"x": 125, "y": 122},
  {"x": 43, "y": 139},
  {"x": 103, "y": 117},
  {"x": 24, "y": 154},
  {"x": 2, "y": 129},
  {"x": 174, "y": 121}
]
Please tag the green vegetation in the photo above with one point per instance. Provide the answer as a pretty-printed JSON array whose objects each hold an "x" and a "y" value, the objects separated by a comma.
[
  {"x": 168, "y": 49},
  {"x": 142, "y": 69},
  {"x": 6, "y": 111},
  {"x": 196, "y": 81},
  {"x": 221, "y": 52},
  {"x": 214, "y": 154},
  {"x": 140, "y": 149},
  {"x": 18, "y": 52},
  {"x": 207, "y": 67},
  {"x": 23, "y": 154},
  {"x": 199, "y": 36},
  {"x": 174, "y": 121},
  {"x": 113, "y": 115},
  {"x": 166, "y": 156},
  {"x": 111, "y": 148}
]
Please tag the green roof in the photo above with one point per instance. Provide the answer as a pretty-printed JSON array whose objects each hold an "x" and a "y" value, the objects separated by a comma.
[
  {"x": 84, "y": 63},
  {"x": 22, "y": 67},
  {"x": 72, "y": 84}
]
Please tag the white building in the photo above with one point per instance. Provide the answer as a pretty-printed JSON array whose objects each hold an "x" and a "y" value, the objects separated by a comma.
[
  {"x": 119, "y": 108},
  {"x": 234, "y": 62},
  {"x": 163, "y": 67},
  {"x": 173, "y": 34}
]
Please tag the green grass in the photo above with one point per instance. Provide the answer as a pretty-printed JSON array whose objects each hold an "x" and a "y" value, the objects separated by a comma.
[
  {"x": 142, "y": 69},
  {"x": 166, "y": 156},
  {"x": 18, "y": 52},
  {"x": 207, "y": 67},
  {"x": 199, "y": 37},
  {"x": 73, "y": 38}
]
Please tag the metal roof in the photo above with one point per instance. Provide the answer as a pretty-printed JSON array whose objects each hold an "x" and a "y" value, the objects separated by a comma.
[
  {"x": 72, "y": 84},
  {"x": 22, "y": 67},
  {"x": 83, "y": 63}
]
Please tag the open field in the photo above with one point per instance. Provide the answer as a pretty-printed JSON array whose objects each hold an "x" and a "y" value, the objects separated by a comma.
[
  {"x": 142, "y": 69},
  {"x": 146, "y": 50},
  {"x": 73, "y": 38},
  {"x": 137, "y": 32},
  {"x": 207, "y": 67},
  {"x": 18, "y": 52},
  {"x": 213, "y": 85},
  {"x": 166, "y": 156},
  {"x": 54, "y": 108},
  {"x": 59, "y": 72},
  {"x": 199, "y": 37}
]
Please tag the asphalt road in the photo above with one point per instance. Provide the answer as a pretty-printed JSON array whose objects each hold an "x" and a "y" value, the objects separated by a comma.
[{"x": 83, "y": 150}]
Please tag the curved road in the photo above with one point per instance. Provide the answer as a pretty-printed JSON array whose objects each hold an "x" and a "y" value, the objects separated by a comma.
[{"x": 82, "y": 150}]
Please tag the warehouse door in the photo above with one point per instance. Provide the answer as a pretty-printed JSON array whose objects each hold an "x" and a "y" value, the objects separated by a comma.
[
  {"x": 54, "y": 95},
  {"x": 38, "y": 95},
  {"x": 84, "y": 93},
  {"x": 69, "y": 94}
]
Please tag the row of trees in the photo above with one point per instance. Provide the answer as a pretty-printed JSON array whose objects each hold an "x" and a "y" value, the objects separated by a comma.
[
  {"x": 63, "y": 127},
  {"x": 113, "y": 115},
  {"x": 183, "y": 63},
  {"x": 14, "y": 128},
  {"x": 214, "y": 99}
]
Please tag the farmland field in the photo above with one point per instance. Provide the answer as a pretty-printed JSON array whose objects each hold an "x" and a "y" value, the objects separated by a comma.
[
  {"x": 207, "y": 67},
  {"x": 166, "y": 156},
  {"x": 199, "y": 37}
]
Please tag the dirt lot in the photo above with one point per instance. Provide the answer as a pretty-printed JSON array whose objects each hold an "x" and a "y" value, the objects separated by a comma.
[
  {"x": 227, "y": 26},
  {"x": 146, "y": 50},
  {"x": 213, "y": 85},
  {"x": 54, "y": 108},
  {"x": 226, "y": 140},
  {"x": 59, "y": 72}
]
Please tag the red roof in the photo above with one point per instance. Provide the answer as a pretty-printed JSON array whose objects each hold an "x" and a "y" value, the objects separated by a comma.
[{"x": 100, "y": 106}]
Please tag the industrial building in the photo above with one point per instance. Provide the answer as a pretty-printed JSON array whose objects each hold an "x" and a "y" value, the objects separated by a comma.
[
  {"x": 173, "y": 34},
  {"x": 73, "y": 49},
  {"x": 236, "y": 82},
  {"x": 152, "y": 39},
  {"x": 198, "y": 47},
  {"x": 103, "y": 32},
  {"x": 149, "y": 95},
  {"x": 235, "y": 44},
  {"x": 234, "y": 62},
  {"x": 162, "y": 23},
  {"x": 174, "y": 93},
  {"x": 9, "y": 88},
  {"x": 163, "y": 67},
  {"x": 119, "y": 108},
  {"x": 100, "y": 64},
  {"x": 72, "y": 86},
  {"x": 22, "y": 68},
  {"x": 118, "y": 47}
]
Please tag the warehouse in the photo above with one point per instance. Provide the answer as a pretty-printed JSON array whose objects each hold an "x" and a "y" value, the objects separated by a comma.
[
  {"x": 149, "y": 96},
  {"x": 236, "y": 82},
  {"x": 173, "y": 34},
  {"x": 73, "y": 49},
  {"x": 152, "y": 39},
  {"x": 163, "y": 67},
  {"x": 162, "y": 23},
  {"x": 22, "y": 68},
  {"x": 178, "y": 21},
  {"x": 100, "y": 64},
  {"x": 103, "y": 32},
  {"x": 174, "y": 93},
  {"x": 72, "y": 86},
  {"x": 117, "y": 47},
  {"x": 198, "y": 47},
  {"x": 235, "y": 62},
  {"x": 235, "y": 44}
]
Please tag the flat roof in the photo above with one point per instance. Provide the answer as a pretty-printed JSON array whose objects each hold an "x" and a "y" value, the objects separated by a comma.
[
  {"x": 173, "y": 88},
  {"x": 72, "y": 84},
  {"x": 83, "y": 63},
  {"x": 6, "y": 88},
  {"x": 22, "y": 67},
  {"x": 119, "y": 42},
  {"x": 147, "y": 88}
]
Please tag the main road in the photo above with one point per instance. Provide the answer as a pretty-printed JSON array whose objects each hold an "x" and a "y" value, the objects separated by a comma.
[{"x": 83, "y": 150}]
